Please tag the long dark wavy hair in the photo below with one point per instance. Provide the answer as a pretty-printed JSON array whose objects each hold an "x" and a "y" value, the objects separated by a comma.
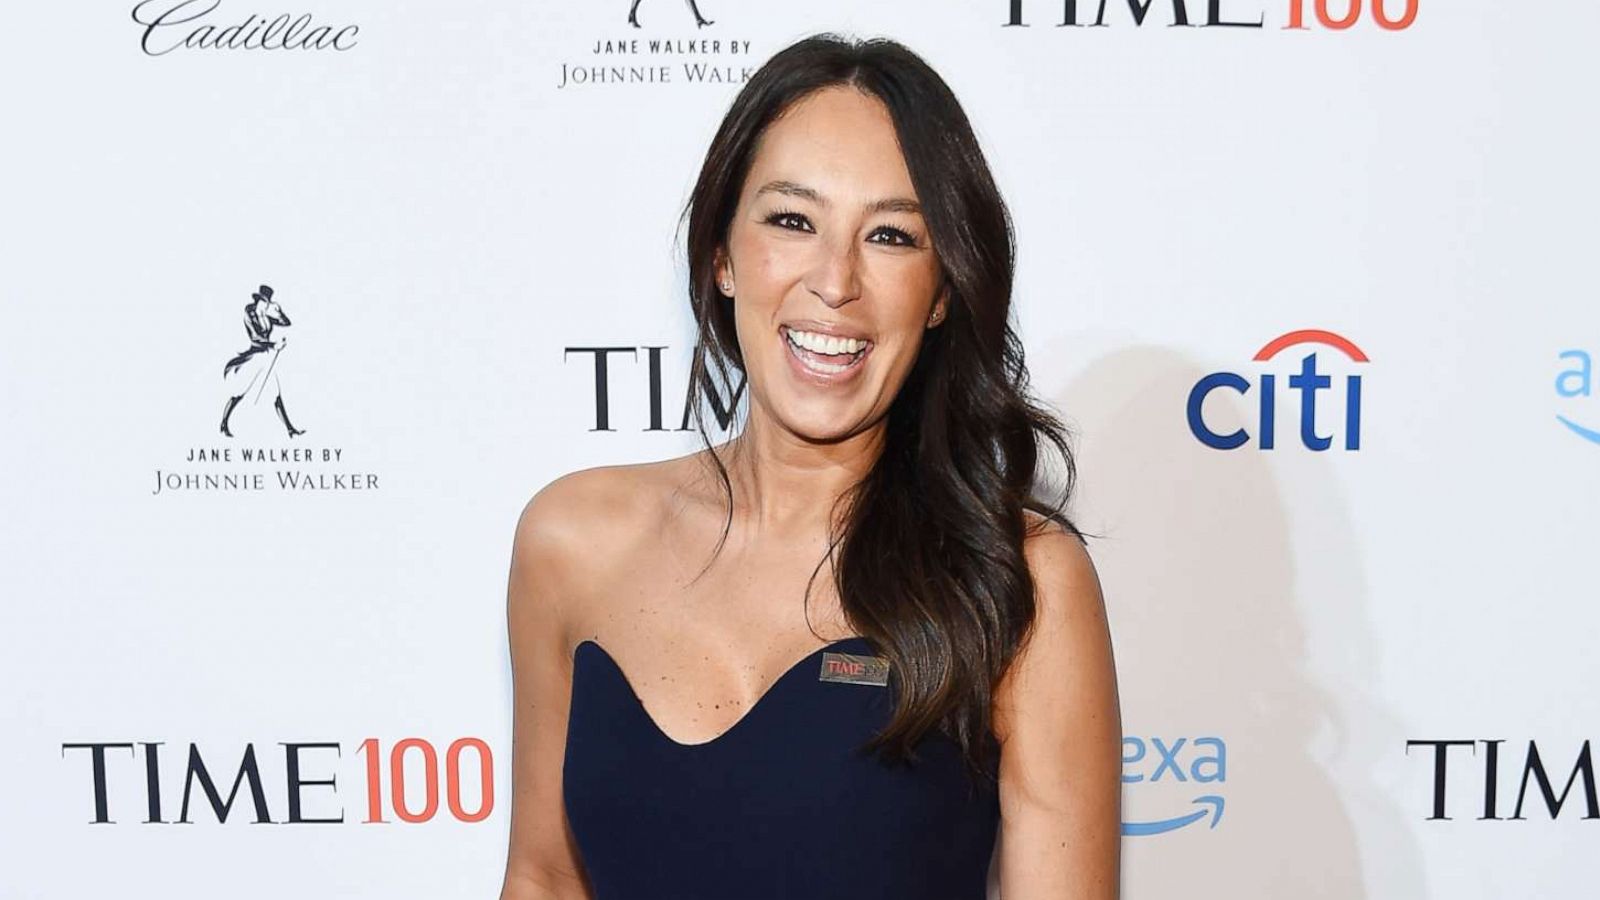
[{"x": 929, "y": 560}]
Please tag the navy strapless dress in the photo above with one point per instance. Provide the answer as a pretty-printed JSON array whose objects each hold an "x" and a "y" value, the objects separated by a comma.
[{"x": 779, "y": 806}]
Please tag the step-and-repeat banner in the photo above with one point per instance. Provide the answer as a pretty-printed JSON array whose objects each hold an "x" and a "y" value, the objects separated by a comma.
[{"x": 303, "y": 302}]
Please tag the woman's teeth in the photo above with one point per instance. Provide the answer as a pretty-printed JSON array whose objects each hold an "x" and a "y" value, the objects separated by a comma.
[
  {"x": 825, "y": 345},
  {"x": 822, "y": 343}
]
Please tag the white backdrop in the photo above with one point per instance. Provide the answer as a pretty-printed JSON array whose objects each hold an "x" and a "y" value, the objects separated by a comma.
[{"x": 445, "y": 211}]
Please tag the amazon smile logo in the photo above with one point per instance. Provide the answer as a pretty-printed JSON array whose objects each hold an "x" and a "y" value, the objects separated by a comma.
[
  {"x": 1198, "y": 764},
  {"x": 1574, "y": 385}
]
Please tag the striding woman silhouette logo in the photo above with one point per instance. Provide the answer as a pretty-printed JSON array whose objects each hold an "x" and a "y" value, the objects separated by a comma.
[
  {"x": 699, "y": 20},
  {"x": 258, "y": 368}
]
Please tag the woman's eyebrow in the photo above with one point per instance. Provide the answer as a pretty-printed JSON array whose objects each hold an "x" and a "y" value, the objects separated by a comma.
[{"x": 795, "y": 189}]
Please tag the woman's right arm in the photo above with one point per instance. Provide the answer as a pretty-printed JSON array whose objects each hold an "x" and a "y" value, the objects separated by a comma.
[{"x": 542, "y": 861}]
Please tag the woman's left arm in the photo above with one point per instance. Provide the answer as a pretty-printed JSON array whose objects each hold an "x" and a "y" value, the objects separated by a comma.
[{"x": 1059, "y": 722}]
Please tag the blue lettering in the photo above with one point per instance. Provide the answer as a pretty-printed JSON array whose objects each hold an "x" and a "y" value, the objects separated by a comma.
[
  {"x": 1169, "y": 759},
  {"x": 1137, "y": 746},
  {"x": 1307, "y": 383},
  {"x": 1218, "y": 761},
  {"x": 1352, "y": 413},
  {"x": 1201, "y": 760},
  {"x": 1577, "y": 382},
  {"x": 1269, "y": 410},
  {"x": 1197, "y": 398}
]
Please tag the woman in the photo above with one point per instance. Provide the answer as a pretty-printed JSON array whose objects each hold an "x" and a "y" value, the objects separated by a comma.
[{"x": 679, "y": 731}]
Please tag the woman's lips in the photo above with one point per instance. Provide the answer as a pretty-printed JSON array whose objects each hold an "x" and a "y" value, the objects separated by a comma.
[{"x": 818, "y": 368}]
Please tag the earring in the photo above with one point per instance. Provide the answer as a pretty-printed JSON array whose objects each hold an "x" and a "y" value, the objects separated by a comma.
[{"x": 727, "y": 287}]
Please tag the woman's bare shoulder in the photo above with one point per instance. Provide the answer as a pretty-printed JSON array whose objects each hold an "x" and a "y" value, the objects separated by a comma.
[
  {"x": 579, "y": 518},
  {"x": 569, "y": 513},
  {"x": 1036, "y": 525}
]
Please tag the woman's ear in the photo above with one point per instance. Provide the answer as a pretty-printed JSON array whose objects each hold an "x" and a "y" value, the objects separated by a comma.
[
  {"x": 724, "y": 274},
  {"x": 941, "y": 306}
]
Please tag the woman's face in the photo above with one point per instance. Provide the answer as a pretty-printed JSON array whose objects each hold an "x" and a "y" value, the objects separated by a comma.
[{"x": 828, "y": 244}]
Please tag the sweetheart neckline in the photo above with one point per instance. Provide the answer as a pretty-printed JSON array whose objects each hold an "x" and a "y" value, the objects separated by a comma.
[{"x": 788, "y": 675}]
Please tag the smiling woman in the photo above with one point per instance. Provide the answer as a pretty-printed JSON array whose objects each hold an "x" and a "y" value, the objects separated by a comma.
[{"x": 679, "y": 731}]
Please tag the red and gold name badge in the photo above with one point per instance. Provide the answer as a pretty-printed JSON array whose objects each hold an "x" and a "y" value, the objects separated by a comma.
[{"x": 854, "y": 668}]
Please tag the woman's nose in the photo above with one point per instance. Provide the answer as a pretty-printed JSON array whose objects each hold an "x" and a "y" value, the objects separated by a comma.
[{"x": 836, "y": 276}]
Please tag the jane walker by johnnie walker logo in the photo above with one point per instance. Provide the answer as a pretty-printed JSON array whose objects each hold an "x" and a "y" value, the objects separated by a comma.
[
  {"x": 238, "y": 461},
  {"x": 255, "y": 369},
  {"x": 694, "y": 7},
  {"x": 627, "y": 58}
]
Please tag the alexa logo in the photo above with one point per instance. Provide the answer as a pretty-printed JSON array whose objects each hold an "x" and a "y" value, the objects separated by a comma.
[
  {"x": 1191, "y": 773},
  {"x": 1309, "y": 378},
  {"x": 1574, "y": 385}
]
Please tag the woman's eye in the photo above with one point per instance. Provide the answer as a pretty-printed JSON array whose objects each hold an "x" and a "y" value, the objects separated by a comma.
[
  {"x": 794, "y": 221},
  {"x": 780, "y": 218},
  {"x": 902, "y": 239}
]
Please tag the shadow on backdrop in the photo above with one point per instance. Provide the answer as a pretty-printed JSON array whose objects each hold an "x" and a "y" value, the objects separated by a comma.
[{"x": 1228, "y": 575}]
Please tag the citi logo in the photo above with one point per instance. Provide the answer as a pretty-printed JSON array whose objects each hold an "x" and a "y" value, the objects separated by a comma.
[
  {"x": 1307, "y": 381},
  {"x": 1200, "y": 761},
  {"x": 1575, "y": 382}
]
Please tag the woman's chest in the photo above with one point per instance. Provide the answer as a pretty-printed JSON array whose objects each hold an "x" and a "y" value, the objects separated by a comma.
[{"x": 790, "y": 780}]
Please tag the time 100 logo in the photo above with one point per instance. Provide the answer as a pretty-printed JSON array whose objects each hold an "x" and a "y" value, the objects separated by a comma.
[{"x": 1333, "y": 15}]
